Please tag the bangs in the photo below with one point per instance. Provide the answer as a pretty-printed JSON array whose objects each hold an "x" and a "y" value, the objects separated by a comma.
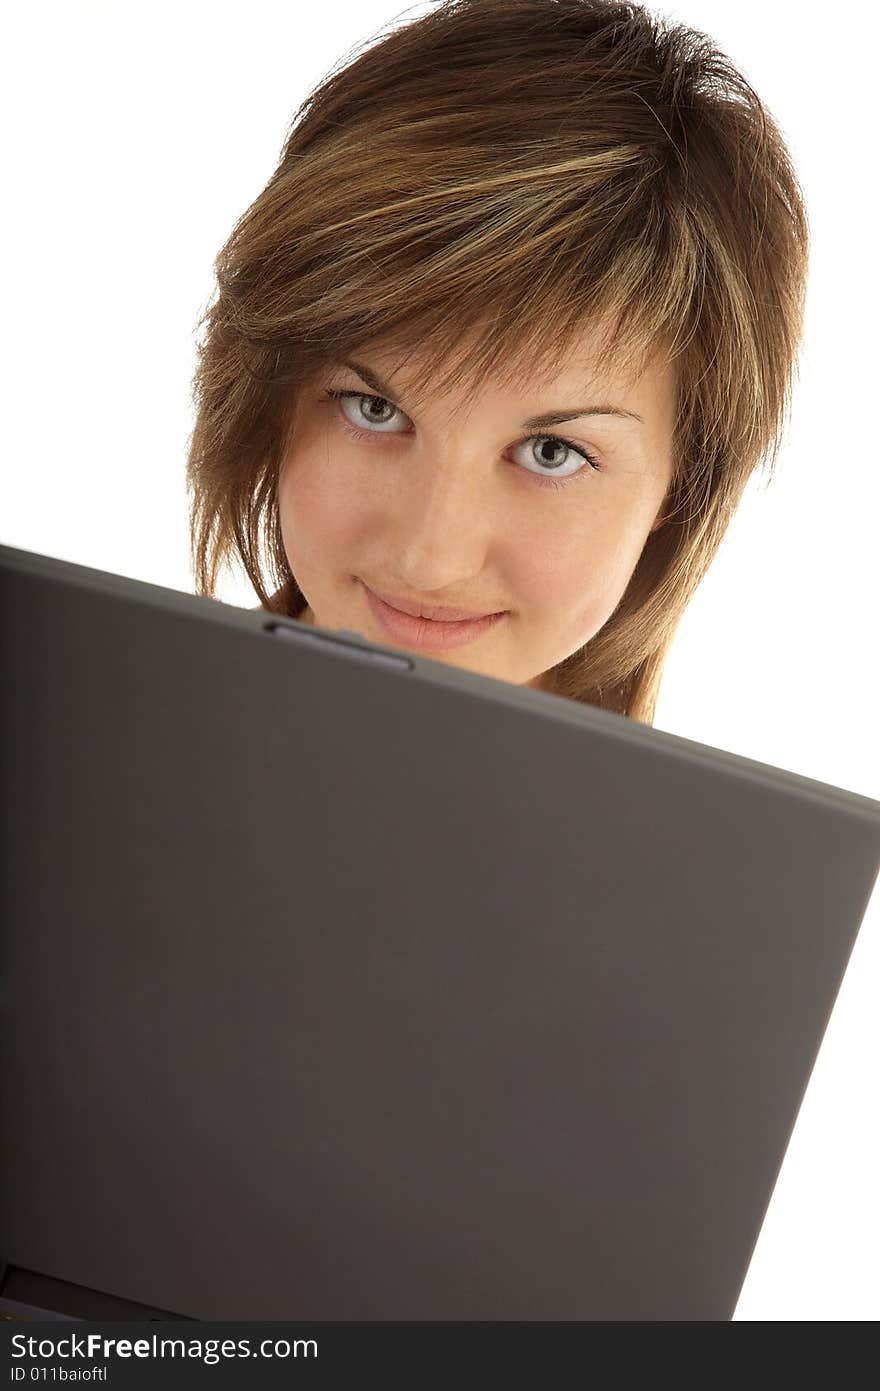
[
  {"x": 496, "y": 273},
  {"x": 475, "y": 323}
]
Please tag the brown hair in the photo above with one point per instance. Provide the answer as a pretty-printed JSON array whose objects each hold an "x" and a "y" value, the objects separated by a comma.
[{"x": 517, "y": 168}]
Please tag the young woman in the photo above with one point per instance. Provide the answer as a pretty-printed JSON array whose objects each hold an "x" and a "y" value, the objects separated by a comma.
[{"x": 501, "y": 343}]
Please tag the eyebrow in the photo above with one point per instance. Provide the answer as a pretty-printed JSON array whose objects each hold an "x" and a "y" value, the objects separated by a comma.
[{"x": 534, "y": 422}]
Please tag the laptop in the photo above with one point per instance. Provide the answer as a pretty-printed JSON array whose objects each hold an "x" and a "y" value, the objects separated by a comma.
[{"x": 343, "y": 984}]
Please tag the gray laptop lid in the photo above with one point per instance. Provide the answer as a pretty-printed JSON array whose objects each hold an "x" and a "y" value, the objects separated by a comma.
[{"x": 342, "y": 988}]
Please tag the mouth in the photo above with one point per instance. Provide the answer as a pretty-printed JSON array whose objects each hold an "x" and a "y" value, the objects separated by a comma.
[
  {"x": 437, "y": 613},
  {"x": 416, "y": 625}
]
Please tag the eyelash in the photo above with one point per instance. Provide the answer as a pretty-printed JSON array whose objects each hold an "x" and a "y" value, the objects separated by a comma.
[{"x": 594, "y": 465}]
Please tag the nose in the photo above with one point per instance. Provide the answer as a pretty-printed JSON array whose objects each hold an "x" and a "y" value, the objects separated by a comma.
[{"x": 444, "y": 521}]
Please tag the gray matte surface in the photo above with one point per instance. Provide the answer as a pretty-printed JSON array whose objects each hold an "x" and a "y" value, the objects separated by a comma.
[{"x": 341, "y": 990}]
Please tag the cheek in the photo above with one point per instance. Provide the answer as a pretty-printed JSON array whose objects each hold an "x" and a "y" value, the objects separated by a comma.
[
  {"x": 582, "y": 577},
  {"x": 318, "y": 515}
]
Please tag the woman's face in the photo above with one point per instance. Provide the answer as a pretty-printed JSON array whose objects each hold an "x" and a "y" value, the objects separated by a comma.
[{"x": 478, "y": 507}]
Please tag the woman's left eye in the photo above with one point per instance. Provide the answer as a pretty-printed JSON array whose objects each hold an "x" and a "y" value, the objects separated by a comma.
[
  {"x": 366, "y": 415},
  {"x": 573, "y": 462}
]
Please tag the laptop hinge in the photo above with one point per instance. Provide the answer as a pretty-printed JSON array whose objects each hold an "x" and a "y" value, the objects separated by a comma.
[{"x": 24, "y": 1294}]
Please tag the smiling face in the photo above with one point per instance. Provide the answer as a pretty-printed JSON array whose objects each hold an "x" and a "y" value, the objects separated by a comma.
[{"x": 487, "y": 506}]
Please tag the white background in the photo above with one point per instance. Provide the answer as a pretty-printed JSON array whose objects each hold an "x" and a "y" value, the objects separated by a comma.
[{"x": 136, "y": 134}]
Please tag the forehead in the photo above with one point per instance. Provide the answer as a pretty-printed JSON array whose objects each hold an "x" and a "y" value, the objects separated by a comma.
[{"x": 581, "y": 368}]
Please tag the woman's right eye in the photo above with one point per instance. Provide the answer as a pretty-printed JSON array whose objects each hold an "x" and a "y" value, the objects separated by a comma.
[{"x": 372, "y": 414}]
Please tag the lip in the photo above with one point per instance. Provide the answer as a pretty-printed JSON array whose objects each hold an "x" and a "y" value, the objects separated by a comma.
[
  {"x": 430, "y": 634},
  {"x": 436, "y": 612}
]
